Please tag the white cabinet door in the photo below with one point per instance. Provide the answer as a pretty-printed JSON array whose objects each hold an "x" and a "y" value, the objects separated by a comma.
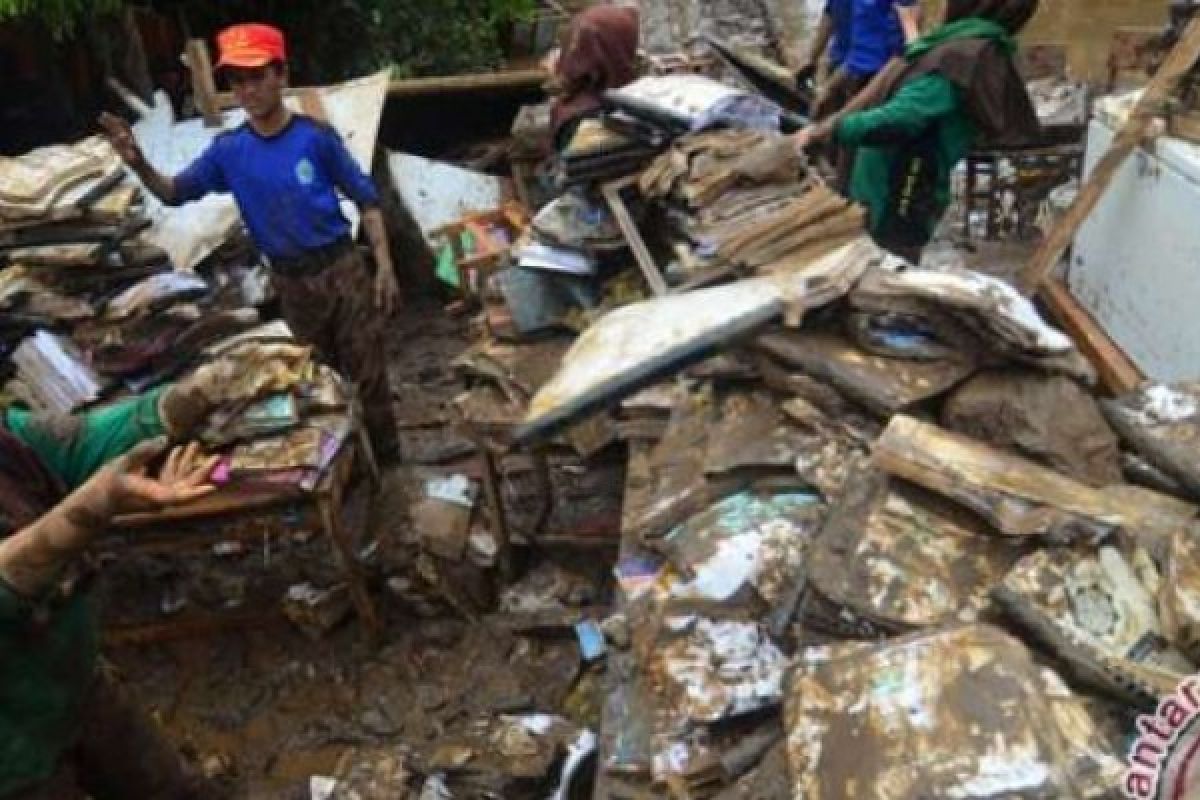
[{"x": 1136, "y": 262}]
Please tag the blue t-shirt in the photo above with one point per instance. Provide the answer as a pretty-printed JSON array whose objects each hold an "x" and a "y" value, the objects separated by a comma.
[
  {"x": 841, "y": 12},
  {"x": 285, "y": 185},
  {"x": 877, "y": 36}
]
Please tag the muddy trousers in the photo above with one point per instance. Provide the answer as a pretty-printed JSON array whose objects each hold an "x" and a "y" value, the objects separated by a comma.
[
  {"x": 120, "y": 755},
  {"x": 333, "y": 310}
]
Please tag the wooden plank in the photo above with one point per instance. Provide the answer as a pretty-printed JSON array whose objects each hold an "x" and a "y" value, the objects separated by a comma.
[
  {"x": 312, "y": 105},
  {"x": 1117, "y": 372},
  {"x": 1016, "y": 496},
  {"x": 204, "y": 86},
  {"x": 1180, "y": 61},
  {"x": 487, "y": 81},
  {"x": 645, "y": 261},
  {"x": 504, "y": 80}
]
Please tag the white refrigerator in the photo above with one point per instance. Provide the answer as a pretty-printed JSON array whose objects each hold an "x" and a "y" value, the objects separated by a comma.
[{"x": 1136, "y": 261}]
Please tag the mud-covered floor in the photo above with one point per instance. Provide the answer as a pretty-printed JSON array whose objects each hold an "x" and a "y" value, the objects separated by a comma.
[{"x": 268, "y": 706}]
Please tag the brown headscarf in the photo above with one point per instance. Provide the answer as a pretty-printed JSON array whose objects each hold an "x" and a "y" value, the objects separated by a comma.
[
  {"x": 1012, "y": 14},
  {"x": 600, "y": 54}
]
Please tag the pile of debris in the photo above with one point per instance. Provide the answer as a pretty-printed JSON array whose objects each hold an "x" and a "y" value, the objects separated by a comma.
[
  {"x": 829, "y": 522},
  {"x": 880, "y": 534}
]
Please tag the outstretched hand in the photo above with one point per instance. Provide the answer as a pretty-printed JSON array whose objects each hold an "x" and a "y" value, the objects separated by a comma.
[
  {"x": 120, "y": 136},
  {"x": 130, "y": 487}
]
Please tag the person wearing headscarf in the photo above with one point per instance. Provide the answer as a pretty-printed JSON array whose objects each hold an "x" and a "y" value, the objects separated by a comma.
[
  {"x": 67, "y": 730},
  {"x": 599, "y": 53},
  {"x": 953, "y": 88}
]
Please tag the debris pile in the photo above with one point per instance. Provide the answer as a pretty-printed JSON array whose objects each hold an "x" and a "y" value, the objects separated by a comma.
[{"x": 879, "y": 533}]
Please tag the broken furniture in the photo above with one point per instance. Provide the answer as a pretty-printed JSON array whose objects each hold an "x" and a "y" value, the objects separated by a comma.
[
  {"x": 203, "y": 524},
  {"x": 476, "y": 245},
  {"x": 1005, "y": 189}
]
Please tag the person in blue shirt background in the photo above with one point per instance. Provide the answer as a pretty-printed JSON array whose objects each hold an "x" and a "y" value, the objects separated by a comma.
[
  {"x": 861, "y": 37},
  {"x": 832, "y": 38},
  {"x": 881, "y": 30},
  {"x": 875, "y": 32},
  {"x": 285, "y": 171}
]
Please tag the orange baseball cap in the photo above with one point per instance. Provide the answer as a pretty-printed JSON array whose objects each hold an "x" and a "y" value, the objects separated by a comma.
[{"x": 250, "y": 45}]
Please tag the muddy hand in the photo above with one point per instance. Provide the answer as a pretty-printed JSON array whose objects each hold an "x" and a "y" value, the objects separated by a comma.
[
  {"x": 120, "y": 136},
  {"x": 387, "y": 292},
  {"x": 184, "y": 477}
]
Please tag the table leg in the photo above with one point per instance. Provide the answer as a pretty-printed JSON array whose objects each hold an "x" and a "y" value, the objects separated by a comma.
[{"x": 329, "y": 506}]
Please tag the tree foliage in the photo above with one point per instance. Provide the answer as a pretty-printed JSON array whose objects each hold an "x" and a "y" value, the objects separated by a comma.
[
  {"x": 60, "y": 16},
  {"x": 332, "y": 39},
  {"x": 337, "y": 39}
]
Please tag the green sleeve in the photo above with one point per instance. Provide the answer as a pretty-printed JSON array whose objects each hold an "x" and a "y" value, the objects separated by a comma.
[
  {"x": 74, "y": 446},
  {"x": 908, "y": 114}
]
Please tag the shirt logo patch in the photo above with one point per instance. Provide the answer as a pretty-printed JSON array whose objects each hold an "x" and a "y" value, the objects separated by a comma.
[{"x": 305, "y": 172}]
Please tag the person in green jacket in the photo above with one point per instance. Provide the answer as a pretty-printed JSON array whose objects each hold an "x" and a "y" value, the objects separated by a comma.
[
  {"x": 66, "y": 731},
  {"x": 954, "y": 87}
]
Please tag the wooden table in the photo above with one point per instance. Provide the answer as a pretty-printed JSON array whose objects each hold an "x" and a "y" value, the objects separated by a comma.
[{"x": 207, "y": 521}]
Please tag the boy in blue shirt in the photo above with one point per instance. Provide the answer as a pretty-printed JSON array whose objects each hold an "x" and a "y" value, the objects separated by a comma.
[{"x": 285, "y": 171}]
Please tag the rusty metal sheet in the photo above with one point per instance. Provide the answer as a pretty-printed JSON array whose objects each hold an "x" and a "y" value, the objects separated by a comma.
[
  {"x": 884, "y": 385},
  {"x": 1018, "y": 497},
  {"x": 1049, "y": 418},
  {"x": 953, "y": 713},
  {"x": 1096, "y": 610},
  {"x": 1162, "y": 423},
  {"x": 903, "y": 558}
]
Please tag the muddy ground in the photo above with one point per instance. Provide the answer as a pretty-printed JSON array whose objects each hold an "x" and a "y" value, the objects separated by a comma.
[{"x": 268, "y": 706}]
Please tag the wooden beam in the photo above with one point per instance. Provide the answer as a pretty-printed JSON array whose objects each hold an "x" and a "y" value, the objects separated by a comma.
[
  {"x": 1178, "y": 63},
  {"x": 312, "y": 105},
  {"x": 504, "y": 80},
  {"x": 204, "y": 86},
  {"x": 645, "y": 261},
  {"x": 1118, "y": 374}
]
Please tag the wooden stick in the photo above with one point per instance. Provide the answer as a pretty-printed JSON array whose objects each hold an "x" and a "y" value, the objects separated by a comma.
[
  {"x": 1178, "y": 63},
  {"x": 1118, "y": 374},
  {"x": 204, "y": 87},
  {"x": 641, "y": 253}
]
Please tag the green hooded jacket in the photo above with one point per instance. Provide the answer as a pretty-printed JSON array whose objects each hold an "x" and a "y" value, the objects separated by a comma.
[{"x": 908, "y": 146}]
